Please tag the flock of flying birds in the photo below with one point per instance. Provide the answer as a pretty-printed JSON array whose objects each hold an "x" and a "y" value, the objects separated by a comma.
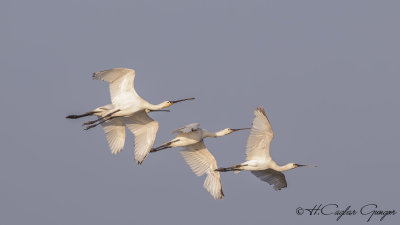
[{"x": 128, "y": 109}]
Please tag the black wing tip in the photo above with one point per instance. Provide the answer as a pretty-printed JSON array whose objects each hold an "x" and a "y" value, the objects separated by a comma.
[
  {"x": 262, "y": 110},
  {"x": 220, "y": 196},
  {"x": 139, "y": 162},
  {"x": 95, "y": 75},
  {"x": 279, "y": 188}
]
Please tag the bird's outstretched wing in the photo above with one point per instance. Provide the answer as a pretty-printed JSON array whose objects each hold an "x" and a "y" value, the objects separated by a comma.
[
  {"x": 272, "y": 177},
  {"x": 260, "y": 136},
  {"x": 115, "y": 134},
  {"x": 145, "y": 130},
  {"x": 121, "y": 82},
  {"x": 188, "y": 128},
  {"x": 201, "y": 161}
]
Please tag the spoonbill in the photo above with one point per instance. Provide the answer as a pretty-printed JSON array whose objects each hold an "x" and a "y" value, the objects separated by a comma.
[
  {"x": 258, "y": 159},
  {"x": 197, "y": 156},
  {"x": 127, "y": 109}
]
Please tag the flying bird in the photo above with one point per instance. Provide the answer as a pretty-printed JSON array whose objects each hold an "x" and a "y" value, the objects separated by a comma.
[
  {"x": 197, "y": 156},
  {"x": 258, "y": 159},
  {"x": 127, "y": 109}
]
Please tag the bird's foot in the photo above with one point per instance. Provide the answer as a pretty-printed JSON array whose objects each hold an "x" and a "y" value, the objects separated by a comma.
[
  {"x": 91, "y": 126},
  {"x": 72, "y": 117},
  {"x": 79, "y": 116},
  {"x": 89, "y": 122}
]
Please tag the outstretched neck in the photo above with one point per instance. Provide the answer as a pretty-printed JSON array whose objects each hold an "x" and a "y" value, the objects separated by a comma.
[
  {"x": 221, "y": 133},
  {"x": 156, "y": 107},
  {"x": 286, "y": 167},
  {"x": 214, "y": 134}
]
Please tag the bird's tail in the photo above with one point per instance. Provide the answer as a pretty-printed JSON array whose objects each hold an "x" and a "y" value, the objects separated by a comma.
[{"x": 81, "y": 115}]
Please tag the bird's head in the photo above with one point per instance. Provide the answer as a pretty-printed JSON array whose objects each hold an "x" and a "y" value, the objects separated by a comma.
[
  {"x": 231, "y": 130},
  {"x": 166, "y": 104},
  {"x": 295, "y": 165}
]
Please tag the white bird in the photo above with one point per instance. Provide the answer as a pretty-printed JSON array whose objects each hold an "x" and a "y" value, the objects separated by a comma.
[
  {"x": 258, "y": 159},
  {"x": 197, "y": 156},
  {"x": 127, "y": 109}
]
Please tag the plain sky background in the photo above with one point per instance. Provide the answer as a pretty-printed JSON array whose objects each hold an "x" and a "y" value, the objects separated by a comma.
[{"x": 327, "y": 73}]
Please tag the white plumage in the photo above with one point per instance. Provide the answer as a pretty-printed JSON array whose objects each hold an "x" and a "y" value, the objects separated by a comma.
[
  {"x": 115, "y": 134},
  {"x": 127, "y": 109},
  {"x": 201, "y": 161},
  {"x": 258, "y": 159},
  {"x": 197, "y": 156},
  {"x": 186, "y": 129}
]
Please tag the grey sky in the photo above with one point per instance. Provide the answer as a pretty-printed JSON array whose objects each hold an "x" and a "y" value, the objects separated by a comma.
[{"x": 327, "y": 74}]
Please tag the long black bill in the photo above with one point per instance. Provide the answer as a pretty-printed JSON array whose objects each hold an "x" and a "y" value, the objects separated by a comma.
[
  {"x": 173, "y": 102},
  {"x": 241, "y": 129},
  {"x": 299, "y": 165}
]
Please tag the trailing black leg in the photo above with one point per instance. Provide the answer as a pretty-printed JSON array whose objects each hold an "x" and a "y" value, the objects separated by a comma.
[
  {"x": 159, "y": 149},
  {"x": 99, "y": 119},
  {"x": 93, "y": 121},
  {"x": 164, "y": 146},
  {"x": 100, "y": 122},
  {"x": 224, "y": 169},
  {"x": 158, "y": 110},
  {"x": 79, "y": 116},
  {"x": 232, "y": 168}
]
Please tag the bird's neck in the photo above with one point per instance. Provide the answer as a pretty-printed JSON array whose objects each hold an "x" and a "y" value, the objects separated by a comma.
[
  {"x": 155, "y": 107},
  {"x": 282, "y": 168},
  {"x": 213, "y": 134}
]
